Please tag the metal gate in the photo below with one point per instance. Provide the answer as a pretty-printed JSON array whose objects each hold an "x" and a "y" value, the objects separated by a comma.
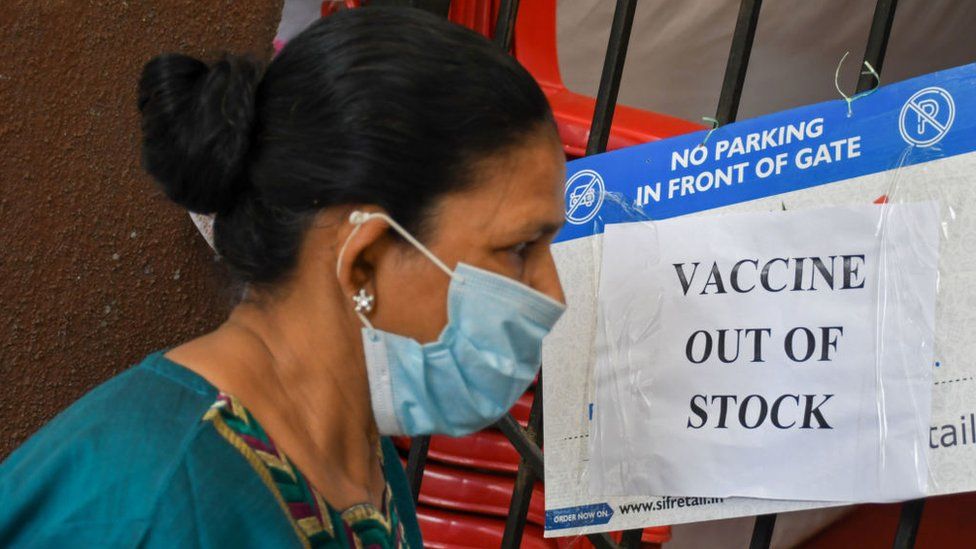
[{"x": 528, "y": 441}]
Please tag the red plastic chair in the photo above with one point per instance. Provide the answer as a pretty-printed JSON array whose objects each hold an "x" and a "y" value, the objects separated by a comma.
[
  {"x": 443, "y": 529},
  {"x": 459, "y": 490},
  {"x": 477, "y": 15},
  {"x": 535, "y": 48},
  {"x": 487, "y": 450},
  {"x": 331, "y": 6},
  {"x": 475, "y": 492}
]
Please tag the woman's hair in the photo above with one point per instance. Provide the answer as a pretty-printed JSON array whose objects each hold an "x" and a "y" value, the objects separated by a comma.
[{"x": 384, "y": 106}]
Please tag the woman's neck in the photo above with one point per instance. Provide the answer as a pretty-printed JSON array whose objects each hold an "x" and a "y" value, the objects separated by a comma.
[{"x": 298, "y": 368}]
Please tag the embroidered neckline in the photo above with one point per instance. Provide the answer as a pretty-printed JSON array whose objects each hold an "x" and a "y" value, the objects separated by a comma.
[{"x": 310, "y": 515}]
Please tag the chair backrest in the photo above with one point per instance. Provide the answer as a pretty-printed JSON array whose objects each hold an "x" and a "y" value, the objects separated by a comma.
[
  {"x": 331, "y": 6},
  {"x": 535, "y": 41},
  {"x": 477, "y": 15}
]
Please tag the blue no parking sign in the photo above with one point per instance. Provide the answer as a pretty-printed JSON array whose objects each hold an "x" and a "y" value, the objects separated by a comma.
[
  {"x": 774, "y": 154},
  {"x": 927, "y": 116}
]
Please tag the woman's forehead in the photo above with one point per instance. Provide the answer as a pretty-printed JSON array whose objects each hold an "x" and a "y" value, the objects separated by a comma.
[{"x": 521, "y": 192}]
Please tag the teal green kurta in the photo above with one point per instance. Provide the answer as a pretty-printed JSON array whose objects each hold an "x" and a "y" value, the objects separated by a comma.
[{"x": 134, "y": 463}]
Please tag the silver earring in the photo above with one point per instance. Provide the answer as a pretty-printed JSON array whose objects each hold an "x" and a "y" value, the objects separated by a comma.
[{"x": 364, "y": 301}]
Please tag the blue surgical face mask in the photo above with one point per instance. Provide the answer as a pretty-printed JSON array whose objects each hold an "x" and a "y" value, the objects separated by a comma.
[{"x": 485, "y": 358}]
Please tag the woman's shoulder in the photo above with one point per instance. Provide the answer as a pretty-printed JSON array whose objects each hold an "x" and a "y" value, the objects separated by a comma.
[
  {"x": 156, "y": 401},
  {"x": 105, "y": 462}
]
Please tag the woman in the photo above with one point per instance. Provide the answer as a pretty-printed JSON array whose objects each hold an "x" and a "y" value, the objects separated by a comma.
[{"x": 387, "y": 191}]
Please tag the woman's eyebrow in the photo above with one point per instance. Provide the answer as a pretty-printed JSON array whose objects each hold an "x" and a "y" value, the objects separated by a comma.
[
  {"x": 550, "y": 227},
  {"x": 540, "y": 228}
]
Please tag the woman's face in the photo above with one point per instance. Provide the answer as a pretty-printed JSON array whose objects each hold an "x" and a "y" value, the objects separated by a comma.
[{"x": 504, "y": 223}]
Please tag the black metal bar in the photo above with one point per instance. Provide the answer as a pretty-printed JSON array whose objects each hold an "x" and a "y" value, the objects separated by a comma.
[
  {"x": 602, "y": 541},
  {"x": 505, "y": 26},
  {"x": 518, "y": 509},
  {"x": 416, "y": 461},
  {"x": 884, "y": 17},
  {"x": 532, "y": 459},
  {"x": 762, "y": 532},
  {"x": 613, "y": 69},
  {"x": 525, "y": 447},
  {"x": 911, "y": 516},
  {"x": 735, "y": 69},
  {"x": 631, "y": 539}
]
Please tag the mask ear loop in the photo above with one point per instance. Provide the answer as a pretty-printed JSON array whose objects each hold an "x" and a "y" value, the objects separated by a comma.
[{"x": 358, "y": 218}]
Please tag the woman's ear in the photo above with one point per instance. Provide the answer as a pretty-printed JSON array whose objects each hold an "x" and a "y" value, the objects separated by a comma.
[{"x": 358, "y": 246}]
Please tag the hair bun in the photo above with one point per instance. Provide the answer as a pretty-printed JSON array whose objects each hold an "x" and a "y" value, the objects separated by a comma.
[{"x": 196, "y": 128}]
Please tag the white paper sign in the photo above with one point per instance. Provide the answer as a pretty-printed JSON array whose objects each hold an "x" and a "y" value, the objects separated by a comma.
[
  {"x": 891, "y": 147},
  {"x": 782, "y": 355}
]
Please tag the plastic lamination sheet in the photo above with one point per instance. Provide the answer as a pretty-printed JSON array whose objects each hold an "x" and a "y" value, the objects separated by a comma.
[
  {"x": 767, "y": 354},
  {"x": 893, "y": 181}
]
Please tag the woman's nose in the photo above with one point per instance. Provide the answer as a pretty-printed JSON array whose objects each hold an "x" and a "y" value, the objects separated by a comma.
[{"x": 548, "y": 282}]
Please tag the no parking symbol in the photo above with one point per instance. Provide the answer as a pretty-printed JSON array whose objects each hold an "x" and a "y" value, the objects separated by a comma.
[
  {"x": 584, "y": 196},
  {"x": 926, "y": 117}
]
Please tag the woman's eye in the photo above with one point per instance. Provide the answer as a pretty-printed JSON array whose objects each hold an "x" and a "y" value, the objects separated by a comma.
[{"x": 520, "y": 248}]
